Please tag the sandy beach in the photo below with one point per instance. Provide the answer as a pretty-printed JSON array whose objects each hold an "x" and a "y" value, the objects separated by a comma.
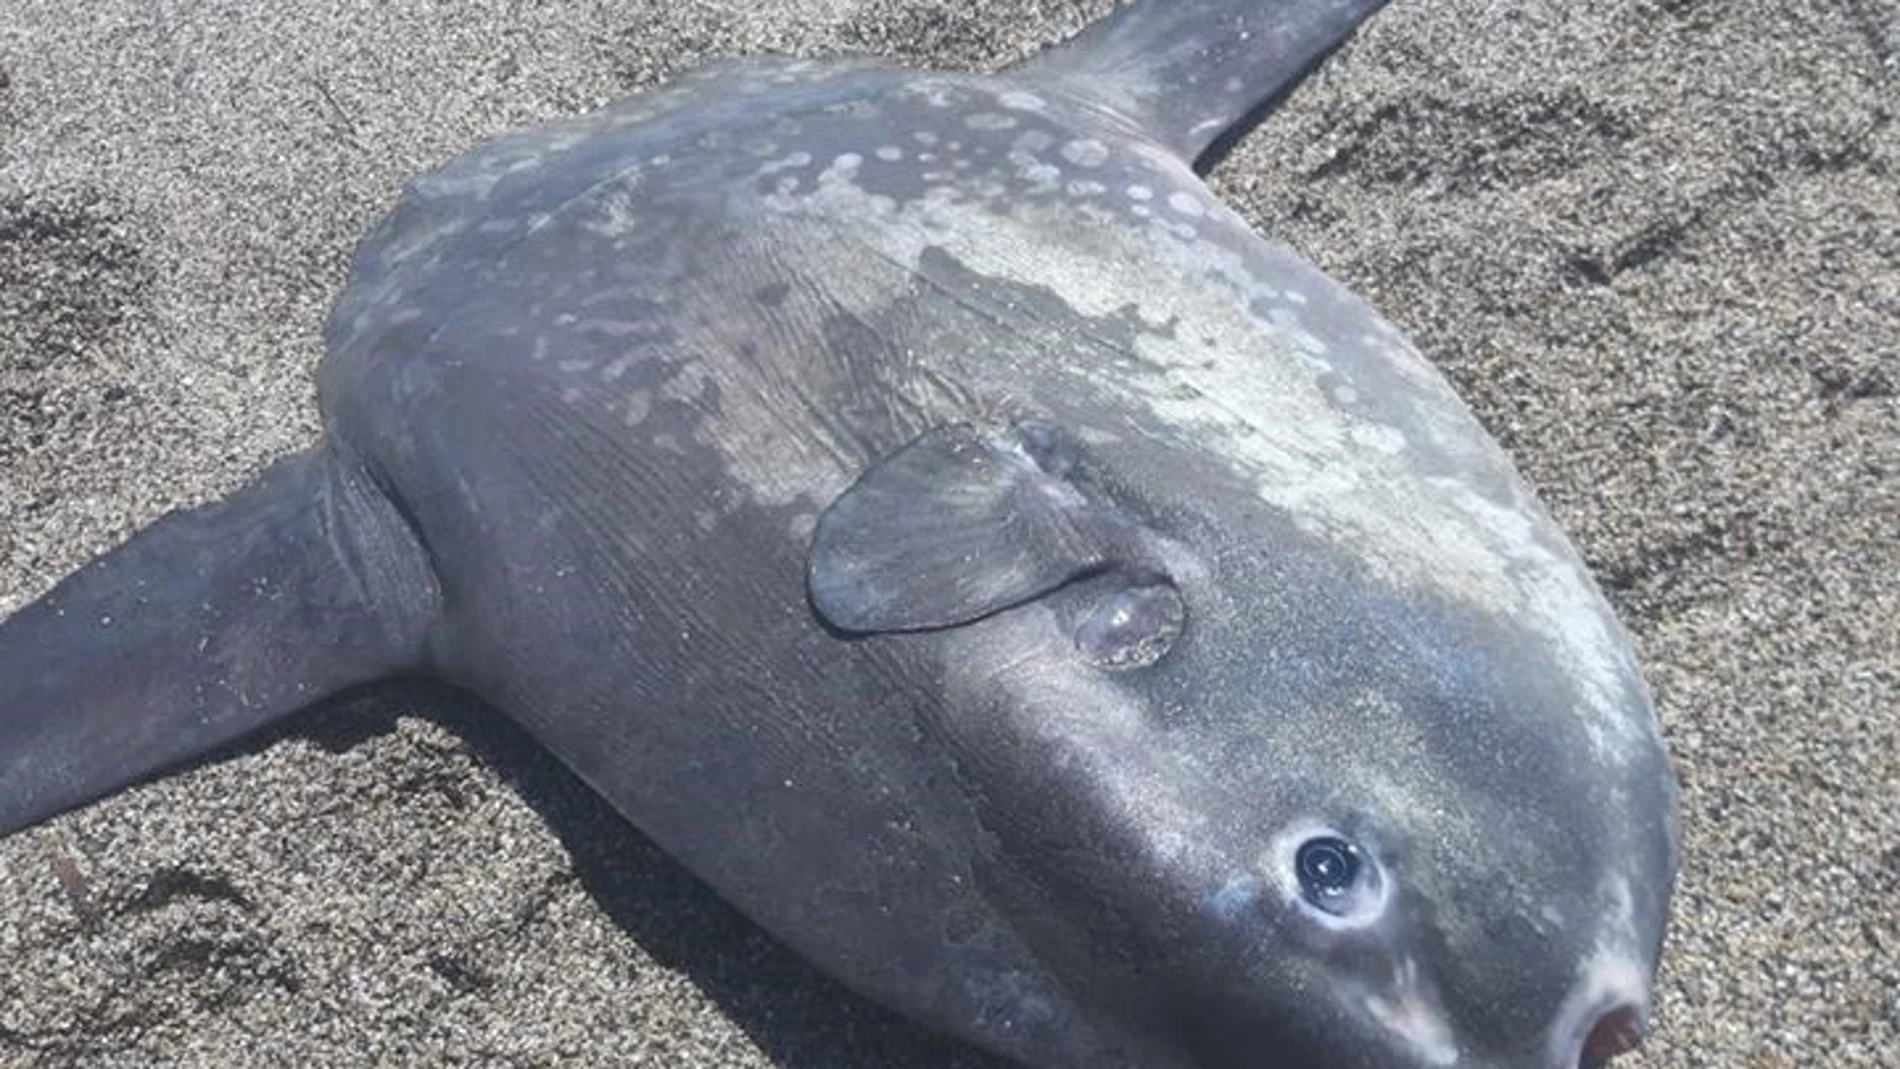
[{"x": 1655, "y": 244}]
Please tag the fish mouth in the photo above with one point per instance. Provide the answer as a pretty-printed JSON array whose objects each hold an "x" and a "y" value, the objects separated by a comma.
[
  {"x": 1590, "y": 1034},
  {"x": 1606, "y": 1013},
  {"x": 1597, "y": 1038},
  {"x": 1615, "y": 1029}
]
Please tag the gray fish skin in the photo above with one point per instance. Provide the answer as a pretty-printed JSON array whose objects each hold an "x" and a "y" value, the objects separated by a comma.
[{"x": 920, "y": 506}]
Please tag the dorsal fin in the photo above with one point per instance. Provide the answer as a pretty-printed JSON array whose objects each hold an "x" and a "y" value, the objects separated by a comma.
[{"x": 1192, "y": 71}]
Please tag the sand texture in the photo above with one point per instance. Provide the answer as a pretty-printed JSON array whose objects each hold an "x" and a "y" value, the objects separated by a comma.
[{"x": 1656, "y": 243}]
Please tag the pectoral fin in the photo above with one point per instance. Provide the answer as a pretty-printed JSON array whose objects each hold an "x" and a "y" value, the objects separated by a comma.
[{"x": 958, "y": 524}]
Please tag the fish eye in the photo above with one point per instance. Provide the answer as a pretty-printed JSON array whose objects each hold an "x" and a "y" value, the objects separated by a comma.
[
  {"x": 1132, "y": 626},
  {"x": 1335, "y": 876}
]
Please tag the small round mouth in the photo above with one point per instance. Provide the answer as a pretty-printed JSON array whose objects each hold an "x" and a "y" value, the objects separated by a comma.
[{"x": 1618, "y": 1031}]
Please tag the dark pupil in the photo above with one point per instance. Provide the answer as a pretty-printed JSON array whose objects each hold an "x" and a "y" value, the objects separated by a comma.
[{"x": 1328, "y": 867}]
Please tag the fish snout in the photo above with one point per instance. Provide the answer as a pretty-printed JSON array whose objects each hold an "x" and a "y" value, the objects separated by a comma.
[{"x": 1601, "y": 1032}]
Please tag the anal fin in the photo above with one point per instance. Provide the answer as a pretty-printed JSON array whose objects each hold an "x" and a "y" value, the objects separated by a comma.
[{"x": 206, "y": 625}]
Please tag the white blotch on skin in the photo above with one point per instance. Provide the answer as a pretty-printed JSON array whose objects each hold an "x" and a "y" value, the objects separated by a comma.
[
  {"x": 1412, "y": 1014},
  {"x": 1238, "y": 895},
  {"x": 615, "y": 212},
  {"x": 890, "y": 153},
  {"x": 639, "y": 406},
  {"x": 843, "y": 169},
  {"x": 989, "y": 120},
  {"x": 1186, "y": 203},
  {"x": 1378, "y": 438},
  {"x": 796, "y": 159},
  {"x": 1550, "y": 919},
  {"x": 1289, "y": 322},
  {"x": 1034, "y": 171},
  {"x": 1017, "y": 100},
  {"x": 1086, "y": 152},
  {"x": 1140, "y": 192},
  {"x": 801, "y": 527}
]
